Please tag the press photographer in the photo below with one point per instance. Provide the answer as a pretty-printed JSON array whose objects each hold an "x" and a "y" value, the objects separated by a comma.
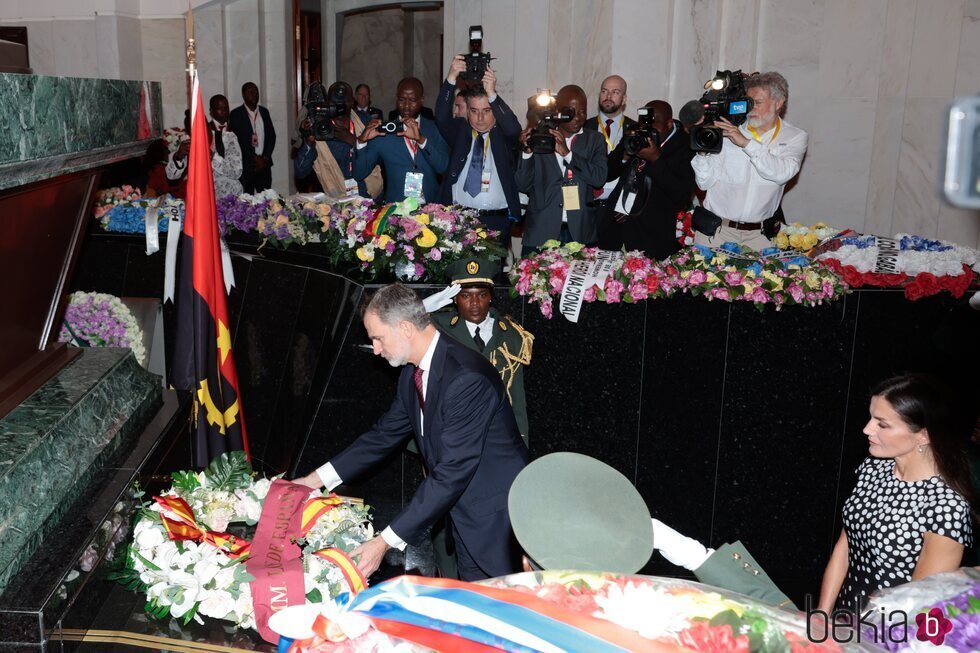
[
  {"x": 655, "y": 183},
  {"x": 559, "y": 183},
  {"x": 746, "y": 179},
  {"x": 329, "y": 133}
]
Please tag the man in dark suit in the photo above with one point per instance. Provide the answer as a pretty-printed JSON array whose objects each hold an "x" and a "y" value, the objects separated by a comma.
[
  {"x": 611, "y": 123},
  {"x": 412, "y": 160},
  {"x": 362, "y": 106},
  {"x": 652, "y": 188},
  {"x": 252, "y": 125},
  {"x": 453, "y": 401},
  {"x": 481, "y": 162},
  {"x": 559, "y": 186}
]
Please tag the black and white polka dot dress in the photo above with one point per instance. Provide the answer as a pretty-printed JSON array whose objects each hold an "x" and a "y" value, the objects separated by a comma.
[{"x": 885, "y": 519}]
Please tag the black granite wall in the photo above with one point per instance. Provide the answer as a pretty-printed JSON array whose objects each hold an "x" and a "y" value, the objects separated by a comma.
[{"x": 733, "y": 423}]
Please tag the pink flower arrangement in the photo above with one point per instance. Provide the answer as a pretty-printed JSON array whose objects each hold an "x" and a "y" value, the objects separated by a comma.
[
  {"x": 106, "y": 199},
  {"x": 729, "y": 274}
]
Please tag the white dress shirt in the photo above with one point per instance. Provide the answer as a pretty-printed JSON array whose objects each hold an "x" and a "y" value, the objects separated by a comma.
[
  {"x": 494, "y": 198},
  {"x": 258, "y": 128},
  {"x": 486, "y": 328},
  {"x": 746, "y": 184},
  {"x": 331, "y": 479}
]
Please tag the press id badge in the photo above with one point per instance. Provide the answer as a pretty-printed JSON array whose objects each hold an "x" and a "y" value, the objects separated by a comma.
[
  {"x": 350, "y": 188},
  {"x": 255, "y": 140},
  {"x": 485, "y": 182},
  {"x": 569, "y": 197},
  {"x": 413, "y": 184}
]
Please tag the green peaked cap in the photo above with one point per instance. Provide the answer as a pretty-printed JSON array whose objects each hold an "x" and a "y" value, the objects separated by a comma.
[{"x": 571, "y": 511}]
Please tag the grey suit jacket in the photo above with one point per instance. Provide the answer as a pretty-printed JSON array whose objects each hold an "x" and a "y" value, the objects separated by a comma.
[{"x": 540, "y": 177}]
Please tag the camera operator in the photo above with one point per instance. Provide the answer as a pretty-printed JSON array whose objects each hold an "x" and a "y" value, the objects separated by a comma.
[
  {"x": 559, "y": 185},
  {"x": 411, "y": 151},
  {"x": 481, "y": 163},
  {"x": 745, "y": 181},
  {"x": 612, "y": 122},
  {"x": 333, "y": 160},
  {"x": 655, "y": 183}
]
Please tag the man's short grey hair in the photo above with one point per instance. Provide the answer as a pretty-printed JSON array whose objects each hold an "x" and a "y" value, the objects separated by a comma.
[
  {"x": 395, "y": 303},
  {"x": 776, "y": 83}
]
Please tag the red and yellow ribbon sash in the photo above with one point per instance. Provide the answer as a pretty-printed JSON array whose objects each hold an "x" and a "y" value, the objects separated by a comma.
[
  {"x": 185, "y": 527},
  {"x": 377, "y": 226}
]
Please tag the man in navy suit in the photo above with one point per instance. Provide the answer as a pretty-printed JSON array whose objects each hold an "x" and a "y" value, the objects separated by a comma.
[
  {"x": 452, "y": 399},
  {"x": 481, "y": 161},
  {"x": 252, "y": 125},
  {"x": 418, "y": 152}
]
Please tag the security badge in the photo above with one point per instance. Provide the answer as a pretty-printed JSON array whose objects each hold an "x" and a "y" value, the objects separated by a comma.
[
  {"x": 350, "y": 188},
  {"x": 485, "y": 182},
  {"x": 413, "y": 185}
]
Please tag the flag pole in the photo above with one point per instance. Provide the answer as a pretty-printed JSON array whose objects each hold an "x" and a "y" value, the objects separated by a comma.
[{"x": 190, "y": 55}]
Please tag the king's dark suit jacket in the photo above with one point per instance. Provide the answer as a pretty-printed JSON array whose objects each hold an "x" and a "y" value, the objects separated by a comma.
[
  {"x": 471, "y": 446},
  {"x": 540, "y": 177},
  {"x": 459, "y": 136}
]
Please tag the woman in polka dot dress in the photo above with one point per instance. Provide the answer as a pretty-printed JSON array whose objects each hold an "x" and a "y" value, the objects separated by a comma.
[{"x": 910, "y": 514}]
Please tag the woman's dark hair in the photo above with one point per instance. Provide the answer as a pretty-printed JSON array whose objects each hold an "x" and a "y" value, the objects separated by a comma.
[{"x": 925, "y": 402}]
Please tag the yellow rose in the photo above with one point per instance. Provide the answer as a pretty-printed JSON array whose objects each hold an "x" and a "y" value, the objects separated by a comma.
[
  {"x": 796, "y": 241},
  {"x": 812, "y": 280},
  {"x": 482, "y": 233},
  {"x": 427, "y": 239},
  {"x": 820, "y": 225},
  {"x": 810, "y": 241},
  {"x": 720, "y": 259},
  {"x": 365, "y": 254},
  {"x": 782, "y": 242},
  {"x": 685, "y": 274},
  {"x": 730, "y": 268},
  {"x": 422, "y": 218},
  {"x": 384, "y": 240},
  {"x": 713, "y": 278}
]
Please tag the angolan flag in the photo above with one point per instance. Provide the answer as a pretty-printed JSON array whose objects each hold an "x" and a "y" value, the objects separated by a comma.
[{"x": 203, "y": 361}]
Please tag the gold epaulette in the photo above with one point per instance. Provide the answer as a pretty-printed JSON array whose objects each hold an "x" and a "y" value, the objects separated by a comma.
[{"x": 527, "y": 340}]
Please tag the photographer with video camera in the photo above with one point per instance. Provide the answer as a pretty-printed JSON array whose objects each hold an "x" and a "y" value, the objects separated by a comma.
[
  {"x": 330, "y": 132},
  {"x": 561, "y": 166},
  {"x": 410, "y": 149},
  {"x": 655, "y": 183},
  {"x": 745, "y": 180},
  {"x": 481, "y": 161}
]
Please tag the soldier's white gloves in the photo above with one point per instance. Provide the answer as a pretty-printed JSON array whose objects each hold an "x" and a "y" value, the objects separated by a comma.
[
  {"x": 682, "y": 551},
  {"x": 442, "y": 298}
]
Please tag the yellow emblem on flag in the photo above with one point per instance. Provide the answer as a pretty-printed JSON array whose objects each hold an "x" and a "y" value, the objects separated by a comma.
[
  {"x": 214, "y": 414},
  {"x": 472, "y": 267},
  {"x": 224, "y": 341}
]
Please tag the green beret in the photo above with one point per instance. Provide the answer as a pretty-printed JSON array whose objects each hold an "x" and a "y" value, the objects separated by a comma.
[
  {"x": 473, "y": 271},
  {"x": 571, "y": 511}
]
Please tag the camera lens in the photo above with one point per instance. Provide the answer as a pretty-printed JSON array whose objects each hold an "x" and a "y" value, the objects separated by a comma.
[{"x": 706, "y": 138}]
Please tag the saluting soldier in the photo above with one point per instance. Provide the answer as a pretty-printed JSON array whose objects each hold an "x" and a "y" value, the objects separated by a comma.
[{"x": 476, "y": 324}]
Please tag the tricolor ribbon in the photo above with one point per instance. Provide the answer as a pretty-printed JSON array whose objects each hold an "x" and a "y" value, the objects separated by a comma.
[
  {"x": 185, "y": 527},
  {"x": 378, "y": 225}
]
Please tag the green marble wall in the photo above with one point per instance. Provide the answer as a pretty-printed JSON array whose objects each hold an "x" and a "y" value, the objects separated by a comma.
[
  {"x": 53, "y": 125},
  {"x": 53, "y": 443}
]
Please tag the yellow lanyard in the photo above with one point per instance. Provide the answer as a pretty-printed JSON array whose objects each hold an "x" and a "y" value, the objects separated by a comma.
[
  {"x": 608, "y": 135},
  {"x": 772, "y": 140}
]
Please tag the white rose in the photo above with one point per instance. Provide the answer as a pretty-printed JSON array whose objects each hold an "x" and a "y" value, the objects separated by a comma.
[
  {"x": 217, "y": 604},
  {"x": 148, "y": 535}
]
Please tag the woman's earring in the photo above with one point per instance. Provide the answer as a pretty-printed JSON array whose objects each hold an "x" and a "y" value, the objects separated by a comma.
[{"x": 921, "y": 449}]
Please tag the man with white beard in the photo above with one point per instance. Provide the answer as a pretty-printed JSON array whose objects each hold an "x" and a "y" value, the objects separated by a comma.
[{"x": 745, "y": 181}]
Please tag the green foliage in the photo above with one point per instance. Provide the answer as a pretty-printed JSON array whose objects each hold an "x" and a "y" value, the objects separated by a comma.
[
  {"x": 229, "y": 472},
  {"x": 185, "y": 482},
  {"x": 314, "y": 596}
]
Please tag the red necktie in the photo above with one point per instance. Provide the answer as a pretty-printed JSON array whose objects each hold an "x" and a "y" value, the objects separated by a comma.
[
  {"x": 609, "y": 122},
  {"x": 418, "y": 386}
]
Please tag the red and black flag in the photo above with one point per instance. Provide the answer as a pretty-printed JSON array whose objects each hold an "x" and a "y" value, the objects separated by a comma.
[{"x": 203, "y": 361}]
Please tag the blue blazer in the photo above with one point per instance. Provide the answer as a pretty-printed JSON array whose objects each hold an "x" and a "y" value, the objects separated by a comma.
[
  {"x": 503, "y": 143},
  {"x": 392, "y": 153},
  {"x": 471, "y": 445}
]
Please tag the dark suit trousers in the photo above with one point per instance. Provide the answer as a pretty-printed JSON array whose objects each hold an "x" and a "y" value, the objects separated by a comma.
[
  {"x": 470, "y": 571},
  {"x": 257, "y": 181}
]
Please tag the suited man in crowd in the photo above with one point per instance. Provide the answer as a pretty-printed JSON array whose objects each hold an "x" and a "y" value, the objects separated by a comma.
[
  {"x": 561, "y": 202},
  {"x": 252, "y": 125},
  {"x": 412, "y": 160},
  {"x": 593, "y": 538},
  {"x": 481, "y": 162},
  {"x": 453, "y": 402},
  {"x": 362, "y": 98},
  {"x": 611, "y": 123},
  {"x": 653, "y": 186}
]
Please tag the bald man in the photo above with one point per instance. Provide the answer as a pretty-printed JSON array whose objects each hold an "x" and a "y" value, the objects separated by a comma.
[
  {"x": 561, "y": 202},
  {"x": 412, "y": 159},
  {"x": 611, "y": 123},
  {"x": 652, "y": 188}
]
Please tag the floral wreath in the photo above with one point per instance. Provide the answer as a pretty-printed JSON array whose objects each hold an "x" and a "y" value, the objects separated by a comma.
[
  {"x": 95, "y": 319},
  {"x": 188, "y": 565}
]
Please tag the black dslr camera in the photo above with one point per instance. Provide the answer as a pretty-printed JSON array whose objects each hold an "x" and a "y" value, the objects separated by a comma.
[
  {"x": 724, "y": 97},
  {"x": 476, "y": 60},
  {"x": 322, "y": 109},
  {"x": 541, "y": 140},
  {"x": 640, "y": 137}
]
